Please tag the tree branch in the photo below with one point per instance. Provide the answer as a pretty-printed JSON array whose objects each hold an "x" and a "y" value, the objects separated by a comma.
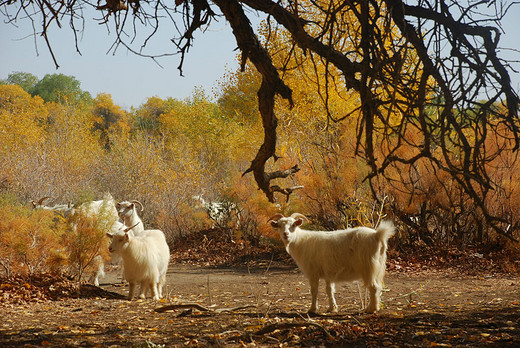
[{"x": 271, "y": 86}]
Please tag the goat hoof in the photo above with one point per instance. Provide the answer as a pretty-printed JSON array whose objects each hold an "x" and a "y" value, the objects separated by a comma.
[
  {"x": 332, "y": 310},
  {"x": 371, "y": 310}
]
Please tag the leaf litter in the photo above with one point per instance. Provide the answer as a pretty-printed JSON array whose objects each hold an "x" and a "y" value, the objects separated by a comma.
[{"x": 261, "y": 300}]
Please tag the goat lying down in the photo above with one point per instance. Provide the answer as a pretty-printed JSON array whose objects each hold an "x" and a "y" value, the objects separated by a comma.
[{"x": 345, "y": 255}]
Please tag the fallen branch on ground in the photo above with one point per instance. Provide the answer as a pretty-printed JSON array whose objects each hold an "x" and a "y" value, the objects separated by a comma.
[
  {"x": 199, "y": 307},
  {"x": 283, "y": 326}
]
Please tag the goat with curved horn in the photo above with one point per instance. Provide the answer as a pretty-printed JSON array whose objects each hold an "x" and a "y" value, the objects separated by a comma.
[
  {"x": 40, "y": 201},
  {"x": 139, "y": 203},
  {"x": 127, "y": 212}
]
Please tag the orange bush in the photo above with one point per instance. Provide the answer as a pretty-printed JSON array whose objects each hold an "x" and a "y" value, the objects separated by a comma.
[{"x": 29, "y": 241}]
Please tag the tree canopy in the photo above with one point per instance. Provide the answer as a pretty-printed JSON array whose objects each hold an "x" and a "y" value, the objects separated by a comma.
[
  {"x": 23, "y": 79},
  {"x": 427, "y": 73}
]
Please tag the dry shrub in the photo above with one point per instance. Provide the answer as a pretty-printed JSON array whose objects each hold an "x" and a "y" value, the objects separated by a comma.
[
  {"x": 40, "y": 241},
  {"x": 434, "y": 208},
  {"x": 30, "y": 241},
  {"x": 147, "y": 170},
  {"x": 86, "y": 239},
  {"x": 61, "y": 164},
  {"x": 254, "y": 210}
]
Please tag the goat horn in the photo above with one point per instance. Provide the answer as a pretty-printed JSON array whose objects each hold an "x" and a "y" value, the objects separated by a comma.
[
  {"x": 40, "y": 202},
  {"x": 140, "y": 204},
  {"x": 275, "y": 217},
  {"x": 298, "y": 215},
  {"x": 129, "y": 228}
]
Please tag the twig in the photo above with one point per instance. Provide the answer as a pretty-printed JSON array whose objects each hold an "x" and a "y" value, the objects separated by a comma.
[
  {"x": 182, "y": 306},
  {"x": 222, "y": 310},
  {"x": 209, "y": 292},
  {"x": 199, "y": 307},
  {"x": 409, "y": 294},
  {"x": 281, "y": 326}
]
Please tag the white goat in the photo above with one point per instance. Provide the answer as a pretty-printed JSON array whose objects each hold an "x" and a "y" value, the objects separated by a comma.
[
  {"x": 104, "y": 209},
  {"x": 58, "y": 208},
  {"x": 145, "y": 259},
  {"x": 221, "y": 213},
  {"x": 105, "y": 213},
  {"x": 128, "y": 214},
  {"x": 98, "y": 263},
  {"x": 345, "y": 255}
]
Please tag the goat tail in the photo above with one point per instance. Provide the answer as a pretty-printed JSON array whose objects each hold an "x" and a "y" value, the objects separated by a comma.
[{"x": 385, "y": 230}]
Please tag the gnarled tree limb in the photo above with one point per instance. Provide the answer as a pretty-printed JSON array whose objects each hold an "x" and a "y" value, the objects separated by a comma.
[{"x": 272, "y": 85}]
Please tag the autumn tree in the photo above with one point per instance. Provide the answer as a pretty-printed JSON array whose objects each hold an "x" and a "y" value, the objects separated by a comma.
[
  {"x": 146, "y": 116},
  {"x": 446, "y": 95},
  {"x": 23, "y": 120},
  {"x": 108, "y": 117}
]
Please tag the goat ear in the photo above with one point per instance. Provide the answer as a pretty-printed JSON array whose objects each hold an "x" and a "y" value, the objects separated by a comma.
[
  {"x": 298, "y": 222},
  {"x": 275, "y": 217},
  {"x": 274, "y": 224},
  {"x": 109, "y": 235}
]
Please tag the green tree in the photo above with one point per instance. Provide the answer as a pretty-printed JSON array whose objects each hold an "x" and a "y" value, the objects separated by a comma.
[
  {"x": 25, "y": 80},
  {"x": 60, "y": 88}
]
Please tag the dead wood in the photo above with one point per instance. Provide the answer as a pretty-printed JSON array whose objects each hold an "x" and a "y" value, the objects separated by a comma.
[
  {"x": 284, "y": 326},
  {"x": 199, "y": 307}
]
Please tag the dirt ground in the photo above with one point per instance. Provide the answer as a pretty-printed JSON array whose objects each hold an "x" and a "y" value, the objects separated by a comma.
[{"x": 266, "y": 306}]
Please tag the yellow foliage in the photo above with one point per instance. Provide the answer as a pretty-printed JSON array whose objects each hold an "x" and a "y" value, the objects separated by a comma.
[
  {"x": 85, "y": 239},
  {"x": 22, "y": 119},
  {"x": 72, "y": 149},
  {"x": 109, "y": 117},
  {"x": 29, "y": 240}
]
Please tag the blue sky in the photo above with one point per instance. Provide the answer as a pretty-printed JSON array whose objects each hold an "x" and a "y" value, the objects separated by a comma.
[{"x": 131, "y": 79}]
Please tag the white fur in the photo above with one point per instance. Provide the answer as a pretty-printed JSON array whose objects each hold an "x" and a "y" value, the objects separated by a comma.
[
  {"x": 344, "y": 255},
  {"x": 98, "y": 270},
  {"x": 105, "y": 212},
  {"x": 104, "y": 209},
  {"x": 128, "y": 214},
  {"x": 221, "y": 213},
  {"x": 145, "y": 259}
]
